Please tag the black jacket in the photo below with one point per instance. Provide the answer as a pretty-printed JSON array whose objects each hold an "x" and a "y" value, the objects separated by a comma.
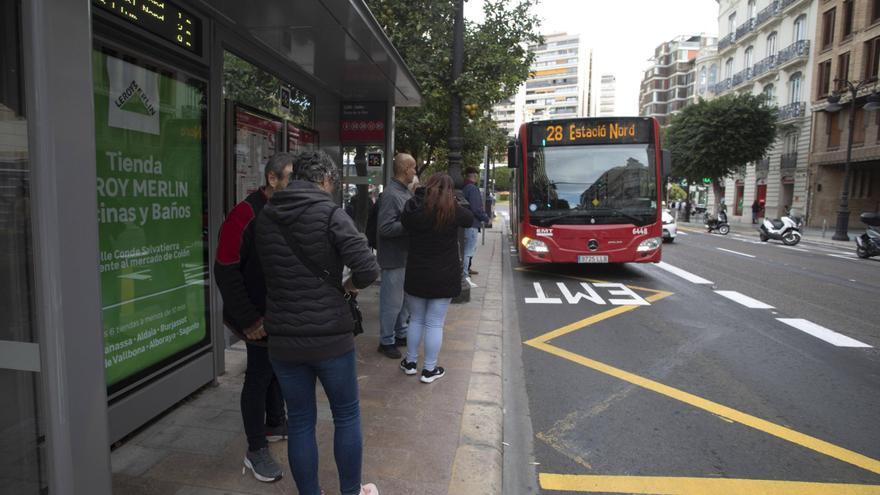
[
  {"x": 307, "y": 319},
  {"x": 237, "y": 268},
  {"x": 433, "y": 267}
]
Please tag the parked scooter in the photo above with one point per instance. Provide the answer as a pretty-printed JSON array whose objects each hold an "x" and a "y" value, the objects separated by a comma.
[
  {"x": 868, "y": 244},
  {"x": 718, "y": 223},
  {"x": 786, "y": 229}
]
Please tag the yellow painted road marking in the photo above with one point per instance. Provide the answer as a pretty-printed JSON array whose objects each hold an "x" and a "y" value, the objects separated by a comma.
[{"x": 696, "y": 486}]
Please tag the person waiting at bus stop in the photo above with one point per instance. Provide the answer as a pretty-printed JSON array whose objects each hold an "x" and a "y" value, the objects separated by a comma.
[
  {"x": 472, "y": 193},
  {"x": 243, "y": 288},
  {"x": 300, "y": 234}
]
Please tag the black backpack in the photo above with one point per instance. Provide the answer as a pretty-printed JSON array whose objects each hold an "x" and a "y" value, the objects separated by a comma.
[{"x": 371, "y": 230}]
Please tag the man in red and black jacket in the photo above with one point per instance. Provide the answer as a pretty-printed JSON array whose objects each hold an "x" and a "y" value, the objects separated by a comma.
[{"x": 240, "y": 279}]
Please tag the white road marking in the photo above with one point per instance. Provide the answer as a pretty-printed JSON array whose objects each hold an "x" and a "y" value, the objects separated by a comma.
[
  {"x": 683, "y": 233},
  {"x": 823, "y": 333},
  {"x": 795, "y": 249},
  {"x": 743, "y": 299},
  {"x": 845, "y": 257},
  {"x": 690, "y": 277},
  {"x": 735, "y": 252}
]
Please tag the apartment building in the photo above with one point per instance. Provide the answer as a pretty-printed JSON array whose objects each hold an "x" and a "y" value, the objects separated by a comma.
[
  {"x": 507, "y": 114},
  {"x": 560, "y": 84},
  {"x": 848, "y": 49},
  {"x": 765, "y": 47},
  {"x": 607, "y": 95},
  {"x": 668, "y": 84}
]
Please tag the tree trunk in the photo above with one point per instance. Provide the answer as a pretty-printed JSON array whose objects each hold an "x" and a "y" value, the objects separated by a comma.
[{"x": 716, "y": 190}]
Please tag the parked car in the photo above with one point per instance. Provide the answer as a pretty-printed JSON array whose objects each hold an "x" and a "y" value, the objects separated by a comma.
[{"x": 670, "y": 228}]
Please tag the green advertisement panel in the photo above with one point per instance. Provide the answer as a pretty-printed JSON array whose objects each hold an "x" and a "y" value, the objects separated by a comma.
[{"x": 149, "y": 128}]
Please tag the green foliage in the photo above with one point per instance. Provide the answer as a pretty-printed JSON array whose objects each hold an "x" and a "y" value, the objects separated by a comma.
[
  {"x": 246, "y": 83},
  {"x": 502, "y": 177},
  {"x": 715, "y": 138},
  {"x": 676, "y": 192},
  {"x": 496, "y": 62}
]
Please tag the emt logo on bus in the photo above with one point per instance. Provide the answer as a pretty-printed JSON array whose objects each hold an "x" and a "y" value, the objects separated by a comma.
[{"x": 592, "y": 131}]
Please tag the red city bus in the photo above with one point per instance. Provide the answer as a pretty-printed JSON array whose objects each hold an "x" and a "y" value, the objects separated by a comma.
[{"x": 588, "y": 190}]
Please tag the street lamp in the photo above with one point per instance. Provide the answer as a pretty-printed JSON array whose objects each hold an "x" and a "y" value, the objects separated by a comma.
[{"x": 873, "y": 103}]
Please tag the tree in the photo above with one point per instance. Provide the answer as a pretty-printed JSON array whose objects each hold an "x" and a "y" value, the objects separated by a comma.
[
  {"x": 501, "y": 176},
  {"x": 497, "y": 62},
  {"x": 716, "y": 138}
]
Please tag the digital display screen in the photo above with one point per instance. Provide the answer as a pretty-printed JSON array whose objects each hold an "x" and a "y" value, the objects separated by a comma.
[
  {"x": 592, "y": 131},
  {"x": 160, "y": 17}
]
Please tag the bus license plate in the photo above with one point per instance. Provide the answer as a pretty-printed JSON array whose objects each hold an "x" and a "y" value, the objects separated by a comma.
[{"x": 592, "y": 259}]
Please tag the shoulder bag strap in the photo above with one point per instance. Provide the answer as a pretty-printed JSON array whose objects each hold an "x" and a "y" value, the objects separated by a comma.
[{"x": 321, "y": 273}]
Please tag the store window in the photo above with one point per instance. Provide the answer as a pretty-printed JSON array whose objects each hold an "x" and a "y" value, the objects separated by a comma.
[
  {"x": 22, "y": 451},
  {"x": 246, "y": 83}
]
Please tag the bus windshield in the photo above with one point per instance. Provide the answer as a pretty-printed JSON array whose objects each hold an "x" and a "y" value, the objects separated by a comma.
[{"x": 592, "y": 184}]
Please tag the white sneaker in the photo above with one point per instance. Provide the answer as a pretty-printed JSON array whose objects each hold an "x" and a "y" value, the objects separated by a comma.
[
  {"x": 470, "y": 282},
  {"x": 369, "y": 489}
]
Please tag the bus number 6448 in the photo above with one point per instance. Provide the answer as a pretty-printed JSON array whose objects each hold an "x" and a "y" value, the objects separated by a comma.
[{"x": 640, "y": 231}]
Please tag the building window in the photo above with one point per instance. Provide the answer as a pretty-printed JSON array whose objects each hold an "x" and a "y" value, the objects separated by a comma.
[
  {"x": 824, "y": 83},
  {"x": 713, "y": 75},
  {"x": 794, "y": 88},
  {"x": 828, "y": 29},
  {"x": 750, "y": 12},
  {"x": 875, "y": 11},
  {"x": 842, "y": 71},
  {"x": 790, "y": 143},
  {"x": 728, "y": 68},
  {"x": 860, "y": 186},
  {"x": 833, "y": 130},
  {"x": 771, "y": 44},
  {"x": 748, "y": 57},
  {"x": 800, "y": 28},
  {"x": 847, "y": 19},
  {"x": 859, "y": 127},
  {"x": 872, "y": 57},
  {"x": 703, "y": 80},
  {"x": 731, "y": 23},
  {"x": 770, "y": 94}
]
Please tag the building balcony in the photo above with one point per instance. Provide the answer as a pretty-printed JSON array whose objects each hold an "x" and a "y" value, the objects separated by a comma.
[
  {"x": 791, "y": 111},
  {"x": 745, "y": 29},
  {"x": 722, "y": 86},
  {"x": 785, "y": 5},
  {"x": 762, "y": 166},
  {"x": 764, "y": 67},
  {"x": 794, "y": 52},
  {"x": 741, "y": 77},
  {"x": 787, "y": 163},
  {"x": 726, "y": 42},
  {"x": 766, "y": 13}
]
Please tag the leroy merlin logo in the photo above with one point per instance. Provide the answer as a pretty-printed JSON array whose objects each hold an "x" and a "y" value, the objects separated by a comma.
[{"x": 134, "y": 99}]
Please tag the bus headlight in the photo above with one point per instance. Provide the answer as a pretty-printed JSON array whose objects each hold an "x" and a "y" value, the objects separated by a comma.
[
  {"x": 534, "y": 245},
  {"x": 649, "y": 244}
]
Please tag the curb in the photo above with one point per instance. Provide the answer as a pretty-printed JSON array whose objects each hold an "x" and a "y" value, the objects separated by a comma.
[{"x": 477, "y": 467}]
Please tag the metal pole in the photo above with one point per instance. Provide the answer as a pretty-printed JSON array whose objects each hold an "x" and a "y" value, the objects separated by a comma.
[
  {"x": 486, "y": 201},
  {"x": 840, "y": 232},
  {"x": 455, "y": 139}
]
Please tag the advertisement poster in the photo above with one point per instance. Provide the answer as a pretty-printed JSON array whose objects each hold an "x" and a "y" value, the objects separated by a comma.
[
  {"x": 256, "y": 140},
  {"x": 301, "y": 139},
  {"x": 151, "y": 218}
]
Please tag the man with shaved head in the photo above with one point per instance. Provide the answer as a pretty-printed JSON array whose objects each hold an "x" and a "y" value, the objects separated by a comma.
[{"x": 393, "y": 244}]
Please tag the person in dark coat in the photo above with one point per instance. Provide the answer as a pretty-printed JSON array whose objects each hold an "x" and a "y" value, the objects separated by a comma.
[
  {"x": 308, "y": 319},
  {"x": 433, "y": 269},
  {"x": 240, "y": 279}
]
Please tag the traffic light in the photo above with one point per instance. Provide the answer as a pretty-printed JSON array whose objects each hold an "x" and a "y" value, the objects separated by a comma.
[{"x": 707, "y": 180}]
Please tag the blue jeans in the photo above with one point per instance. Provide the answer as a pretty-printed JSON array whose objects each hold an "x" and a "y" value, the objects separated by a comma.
[
  {"x": 427, "y": 317},
  {"x": 393, "y": 312},
  {"x": 261, "y": 401},
  {"x": 470, "y": 247},
  {"x": 339, "y": 378}
]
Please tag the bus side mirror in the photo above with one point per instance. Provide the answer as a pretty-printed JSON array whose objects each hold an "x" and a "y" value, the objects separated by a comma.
[
  {"x": 666, "y": 164},
  {"x": 512, "y": 155}
]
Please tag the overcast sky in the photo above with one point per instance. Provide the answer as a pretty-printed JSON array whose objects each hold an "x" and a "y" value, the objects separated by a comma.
[{"x": 622, "y": 33}]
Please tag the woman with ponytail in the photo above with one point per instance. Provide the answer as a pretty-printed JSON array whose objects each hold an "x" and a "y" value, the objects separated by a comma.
[{"x": 433, "y": 269}]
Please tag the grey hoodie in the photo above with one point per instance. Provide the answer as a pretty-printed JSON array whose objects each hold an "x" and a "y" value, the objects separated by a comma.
[{"x": 392, "y": 236}]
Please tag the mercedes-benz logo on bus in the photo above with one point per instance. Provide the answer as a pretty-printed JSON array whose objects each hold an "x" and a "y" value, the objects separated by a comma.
[{"x": 593, "y": 244}]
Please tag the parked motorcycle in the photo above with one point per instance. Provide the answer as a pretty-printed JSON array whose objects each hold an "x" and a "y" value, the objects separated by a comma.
[
  {"x": 786, "y": 229},
  {"x": 868, "y": 244},
  {"x": 718, "y": 223}
]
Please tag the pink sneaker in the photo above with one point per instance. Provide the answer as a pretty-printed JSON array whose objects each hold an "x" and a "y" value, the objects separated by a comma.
[{"x": 369, "y": 489}]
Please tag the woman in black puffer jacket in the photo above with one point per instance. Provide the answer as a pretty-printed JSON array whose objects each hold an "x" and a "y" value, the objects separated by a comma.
[
  {"x": 309, "y": 322},
  {"x": 433, "y": 269}
]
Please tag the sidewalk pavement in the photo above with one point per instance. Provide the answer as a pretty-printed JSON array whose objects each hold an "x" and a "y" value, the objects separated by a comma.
[
  {"x": 433, "y": 439},
  {"x": 810, "y": 234}
]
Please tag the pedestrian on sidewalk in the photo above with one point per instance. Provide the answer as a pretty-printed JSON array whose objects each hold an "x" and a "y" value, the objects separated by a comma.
[
  {"x": 243, "y": 288},
  {"x": 393, "y": 245},
  {"x": 432, "y": 218},
  {"x": 472, "y": 193},
  {"x": 302, "y": 231},
  {"x": 756, "y": 208}
]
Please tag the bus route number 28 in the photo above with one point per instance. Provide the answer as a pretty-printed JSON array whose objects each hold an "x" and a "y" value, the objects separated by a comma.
[{"x": 554, "y": 133}]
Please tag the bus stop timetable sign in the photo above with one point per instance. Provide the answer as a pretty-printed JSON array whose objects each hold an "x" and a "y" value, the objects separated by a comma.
[
  {"x": 162, "y": 18},
  {"x": 592, "y": 131}
]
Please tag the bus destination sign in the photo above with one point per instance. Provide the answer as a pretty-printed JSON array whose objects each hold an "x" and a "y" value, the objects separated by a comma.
[
  {"x": 159, "y": 17},
  {"x": 592, "y": 131}
]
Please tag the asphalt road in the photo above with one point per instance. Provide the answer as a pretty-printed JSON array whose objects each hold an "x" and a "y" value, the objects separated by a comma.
[{"x": 751, "y": 364}]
